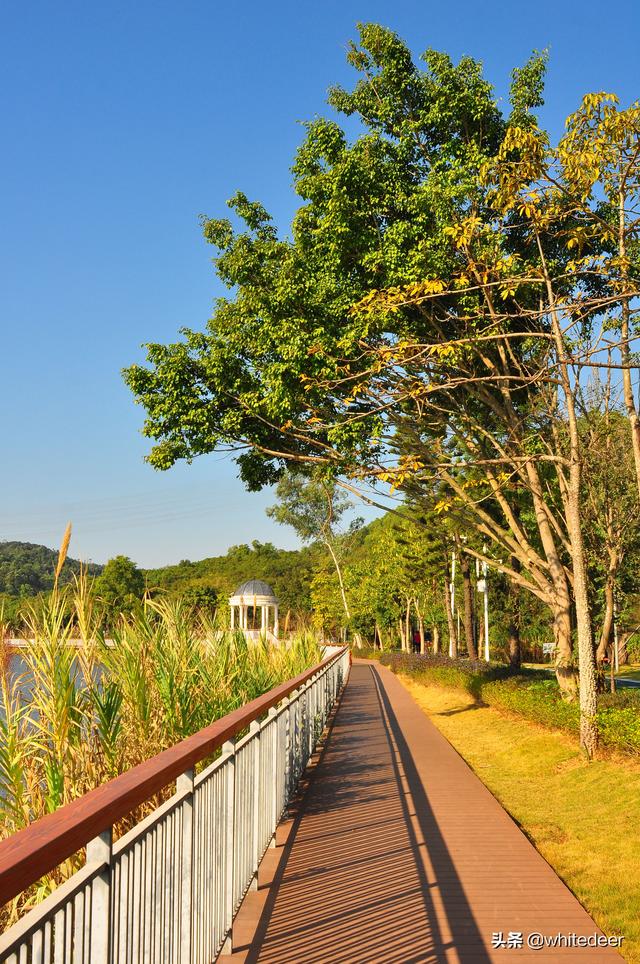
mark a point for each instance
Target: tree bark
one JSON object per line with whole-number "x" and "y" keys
{"x": 513, "y": 627}
{"x": 435, "y": 630}
{"x": 403, "y": 646}
{"x": 377, "y": 637}
{"x": 407, "y": 624}
{"x": 586, "y": 660}
{"x": 453, "y": 636}
{"x": 467, "y": 595}
{"x": 606, "y": 631}
{"x": 357, "y": 637}
{"x": 423, "y": 647}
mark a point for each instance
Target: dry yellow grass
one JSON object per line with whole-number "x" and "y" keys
{"x": 584, "y": 818}
{"x": 62, "y": 555}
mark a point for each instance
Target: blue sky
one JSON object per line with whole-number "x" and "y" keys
{"x": 123, "y": 122}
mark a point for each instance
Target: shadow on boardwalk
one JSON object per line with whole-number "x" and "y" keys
{"x": 399, "y": 854}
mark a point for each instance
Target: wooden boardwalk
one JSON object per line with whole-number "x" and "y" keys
{"x": 398, "y": 853}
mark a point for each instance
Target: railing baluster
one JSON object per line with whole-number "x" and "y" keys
{"x": 272, "y": 775}
{"x": 98, "y": 851}
{"x": 228, "y": 822}
{"x": 254, "y": 811}
{"x": 168, "y": 890}
{"x": 184, "y": 784}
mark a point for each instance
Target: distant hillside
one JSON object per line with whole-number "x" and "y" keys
{"x": 27, "y": 568}
{"x": 289, "y": 573}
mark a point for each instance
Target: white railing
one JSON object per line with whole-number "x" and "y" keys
{"x": 168, "y": 890}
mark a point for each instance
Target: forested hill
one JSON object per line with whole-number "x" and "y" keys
{"x": 27, "y": 569}
{"x": 288, "y": 572}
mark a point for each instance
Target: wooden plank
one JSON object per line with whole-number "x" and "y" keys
{"x": 400, "y": 854}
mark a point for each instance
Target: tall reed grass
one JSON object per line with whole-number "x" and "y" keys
{"x": 81, "y": 709}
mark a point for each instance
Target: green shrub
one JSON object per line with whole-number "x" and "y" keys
{"x": 537, "y": 700}
{"x": 619, "y": 727}
{"x": 531, "y": 694}
{"x": 460, "y": 674}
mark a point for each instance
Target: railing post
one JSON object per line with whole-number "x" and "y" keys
{"x": 273, "y": 782}
{"x": 291, "y": 740}
{"x": 254, "y": 728}
{"x": 99, "y": 851}
{"x": 229, "y": 831}
{"x": 184, "y": 783}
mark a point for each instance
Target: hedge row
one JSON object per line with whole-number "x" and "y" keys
{"x": 530, "y": 694}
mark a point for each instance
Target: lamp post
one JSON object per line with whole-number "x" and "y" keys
{"x": 452, "y": 589}
{"x": 483, "y": 587}
{"x": 486, "y": 612}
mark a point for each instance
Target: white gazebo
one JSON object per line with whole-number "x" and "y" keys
{"x": 249, "y": 599}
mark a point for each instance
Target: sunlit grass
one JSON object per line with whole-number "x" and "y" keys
{"x": 584, "y": 818}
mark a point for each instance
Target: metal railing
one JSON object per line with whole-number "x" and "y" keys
{"x": 168, "y": 890}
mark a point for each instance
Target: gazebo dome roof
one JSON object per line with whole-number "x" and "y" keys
{"x": 255, "y": 587}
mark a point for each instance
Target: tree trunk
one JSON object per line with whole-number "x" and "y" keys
{"x": 586, "y": 661}
{"x": 435, "y": 631}
{"x": 623, "y": 652}
{"x": 377, "y": 637}
{"x": 515, "y": 652}
{"x": 423, "y": 647}
{"x": 560, "y": 603}
{"x": 403, "y": 646}
{"x": 407, "y": 624}
{"x": 513, "y": 627}
{"x": 469, "y": 618}
{"x": 562, "y": 637}
{"x": 453, "y": 636}
{"x": 606, "y": 632}
{"x": 357, "y": 636}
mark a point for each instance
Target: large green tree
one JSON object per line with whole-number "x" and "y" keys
{"x": 429, "y": 285}
{"x": 373, "y": 213}
{"x": 120, "y": 585}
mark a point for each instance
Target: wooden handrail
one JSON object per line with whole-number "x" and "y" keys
{"x": 34, "y": 851}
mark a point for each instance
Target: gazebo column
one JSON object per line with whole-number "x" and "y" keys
{"x": 233, "y": 618}
{"x": 275, "y": 621}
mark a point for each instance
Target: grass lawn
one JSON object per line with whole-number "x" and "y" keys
{"x": 584, "y": 818}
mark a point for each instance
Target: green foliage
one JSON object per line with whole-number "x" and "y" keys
{"x": 532, "y": 695}
{"x": 289, "y": 572}
{"x": 538, "y": 700}
{"x": 459, "y": 674}
{"x": 27, "y": 569}
{"x": 373, "y": 213}
{"x": 201, "y": 598}
{"x": 311, "y": 505}
{"x": 121, "y": 584}
{"x": 527, "y": 87}
{"x": 72, "y": 717}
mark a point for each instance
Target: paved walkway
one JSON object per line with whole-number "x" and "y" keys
{"x": 400, "y": 854}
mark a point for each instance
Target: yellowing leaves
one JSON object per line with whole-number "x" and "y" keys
{"x": 390, "y": 300}
{"x": 462, "y": 233}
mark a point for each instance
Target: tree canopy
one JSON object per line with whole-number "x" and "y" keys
{"x": 450, "y": 280}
